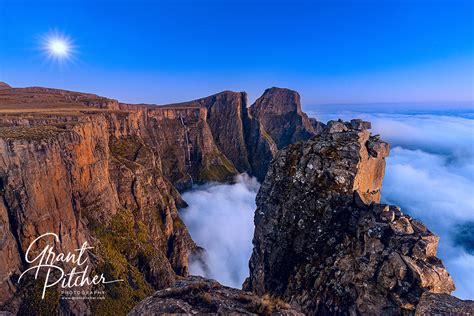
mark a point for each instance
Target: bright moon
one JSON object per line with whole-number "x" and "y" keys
{"x": 58, "y": 47}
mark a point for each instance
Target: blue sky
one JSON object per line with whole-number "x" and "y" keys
{"x": 167, "y": 51}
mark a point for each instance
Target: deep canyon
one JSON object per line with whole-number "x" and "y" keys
{"x": 89, "y": 168}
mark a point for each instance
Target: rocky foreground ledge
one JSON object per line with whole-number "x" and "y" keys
{"x": 325, "y": 245}
{"x": 197, "y": 295}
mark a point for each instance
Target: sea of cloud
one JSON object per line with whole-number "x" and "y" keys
{"x": 430, "y": 174}
{"x": 220, "y": 219}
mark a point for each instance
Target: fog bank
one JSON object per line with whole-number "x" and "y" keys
{"x": 220, "y": 219}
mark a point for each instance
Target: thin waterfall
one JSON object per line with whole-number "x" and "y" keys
{"x": 188, "y": 150}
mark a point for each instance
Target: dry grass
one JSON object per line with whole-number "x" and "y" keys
{"x": 29, "y": 133}
{"x": 265, "y": 305}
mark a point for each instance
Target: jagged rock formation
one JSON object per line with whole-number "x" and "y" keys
{"x": 196, "y": 295}
{"x": 324, "y": 243}
{"x": 89, "y": 168}
{"x": 250, "y": 137}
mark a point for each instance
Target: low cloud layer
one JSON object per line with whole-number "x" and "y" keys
{"x": 220, "y": 219}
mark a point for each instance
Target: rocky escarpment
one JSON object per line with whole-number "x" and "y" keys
{"x": 279, "y": 113}
{"x": 183, "y": 140}
{"x": 89, "y": 168}
{"x": 251, "y": 136}
{"x": 324, "y": 243}
{"x": 226, "y": 116}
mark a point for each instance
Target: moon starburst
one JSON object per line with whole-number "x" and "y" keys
{"x": 58, "y": 47}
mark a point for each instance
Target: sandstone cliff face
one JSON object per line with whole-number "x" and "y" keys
{"x": 87, "y": 176}
{"x": 324, "y": 243}
{"x": 226, "y": 115}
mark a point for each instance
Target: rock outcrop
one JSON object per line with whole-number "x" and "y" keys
{"x": 226, "y": 115}
{"x": 323, "y": 242}
{"x": 196, "y": 295}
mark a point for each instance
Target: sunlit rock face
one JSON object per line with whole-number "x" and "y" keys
{"x": 76, "y": 165}
{"x": 324, "y": 243}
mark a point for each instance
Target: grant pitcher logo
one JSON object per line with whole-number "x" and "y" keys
{"x": 48, "y": 260}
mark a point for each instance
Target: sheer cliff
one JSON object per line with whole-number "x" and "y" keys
{"x": 80, "y": 168}
{"x": 89, "y": 168}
